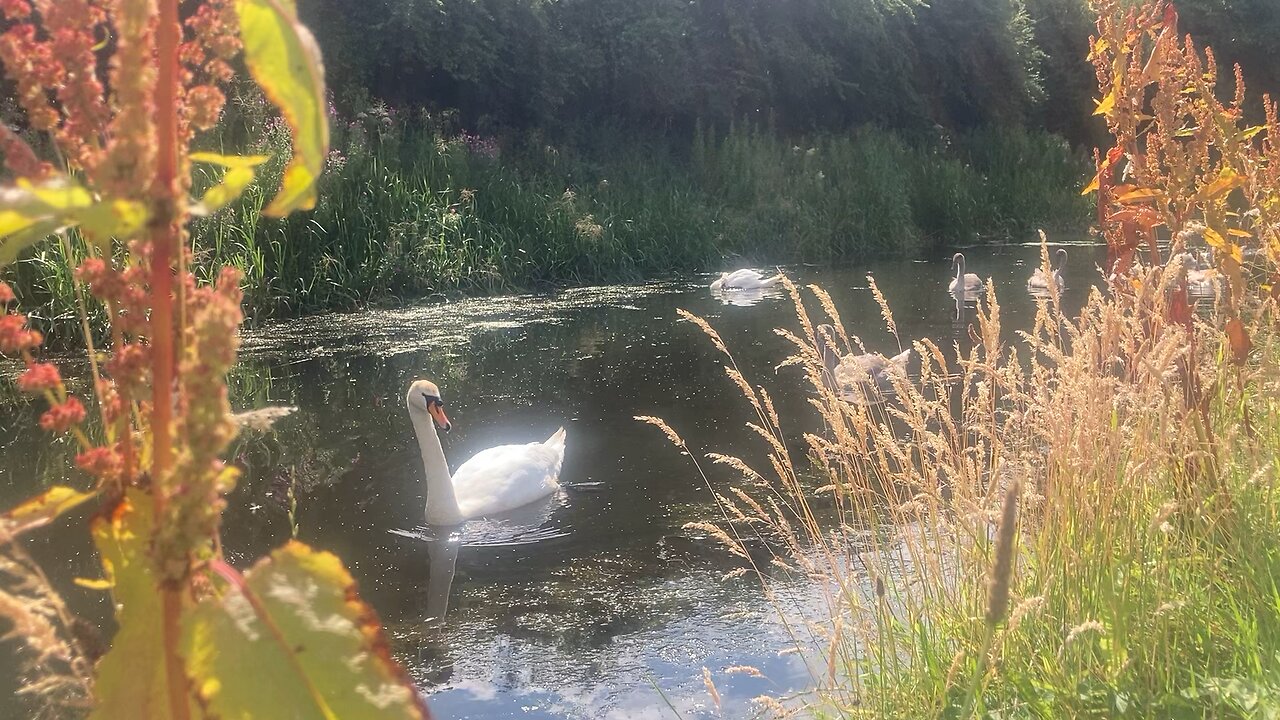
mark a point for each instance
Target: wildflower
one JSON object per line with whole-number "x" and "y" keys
{"x": 336, "y": 160}
{"x": 6, "y": 294}
{"x": 38, "y": 377}
{"x": 61, "y": 417}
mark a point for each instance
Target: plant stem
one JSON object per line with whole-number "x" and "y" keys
{"x": 164, "y": 237}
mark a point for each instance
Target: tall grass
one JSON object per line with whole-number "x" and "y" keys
{"x": 411, "y": 205}
{"x": 1031, "y": 528}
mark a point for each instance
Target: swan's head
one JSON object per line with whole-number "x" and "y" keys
{"x": 958, "y": 260}
{"x": 424, "y": 397}
{"x": 1061, "y": 255}
{"x": 719, "y": 282}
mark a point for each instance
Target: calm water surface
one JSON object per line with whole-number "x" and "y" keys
{"x": 596, "y": 603}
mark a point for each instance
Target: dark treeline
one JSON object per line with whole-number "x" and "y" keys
{"x": 803, "y": 65}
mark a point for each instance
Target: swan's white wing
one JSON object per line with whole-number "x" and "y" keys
{"x": 744, "y": 278}
{"x": 506, "y": 477}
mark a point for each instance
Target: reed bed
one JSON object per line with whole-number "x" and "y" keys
{"x": 1034, "y": 526}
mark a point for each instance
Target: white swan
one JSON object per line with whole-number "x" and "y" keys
{"x": 1201, "y": 280}
{"x": 744, "y": 280}
{"x": 868, "y": 375}
{"x": 493, "y": 481}
{"x": 970, "y": 284}
{"x": 1039, "y": 280}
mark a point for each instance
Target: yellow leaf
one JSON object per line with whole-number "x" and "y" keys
{"x": 1237, "y": 232}
{"x": 1107, "y": 104}
{"x": 292, "y": 639}
{"x": 232, "y": 185}
{"x": 112, "y": 218}
{"x": 1250, "y": 133}
{"x": 1221, "y": 244}
{"x": 43, "y": 508}
{"x": 285, "y": 61}
{"x": 229, "y": 161}
{"x": 131, "y": 681}
{"x": 1227, "y": 181}
{"x": 92, "y": 584}
{"x": 30, "y": 212}
{"x": 1139, "y": 195}
{"x": 1098, "y": 48}
{"x": 1092, "y": 186}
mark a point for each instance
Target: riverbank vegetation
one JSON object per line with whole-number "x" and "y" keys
{"x": 411, "y": 205}
{"x": 506, "y": 144}
{"x": 1081, "y": 520}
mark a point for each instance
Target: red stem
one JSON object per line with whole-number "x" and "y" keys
{"x": 164, "y": 240}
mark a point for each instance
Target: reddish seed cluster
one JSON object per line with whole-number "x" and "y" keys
{"x": 205, "y": 57}
{"x": 39, "y": 377}
{"x": 104, "y": 463}
{"x": 125, "y": 291}
{"x": 63, "y": 416}
{"x": 130, "y": 367}
{"x": 16, "y": 337}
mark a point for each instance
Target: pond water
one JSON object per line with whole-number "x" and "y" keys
{"x": 596, "y": 603}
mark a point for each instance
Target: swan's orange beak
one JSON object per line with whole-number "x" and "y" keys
{"x": 437, "y": 413}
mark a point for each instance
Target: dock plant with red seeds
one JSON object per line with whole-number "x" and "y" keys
{"x": 120, "y": 117}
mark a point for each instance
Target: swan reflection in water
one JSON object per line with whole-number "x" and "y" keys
{"x": 746, "y": 297}
{"x": 532, "y": 523}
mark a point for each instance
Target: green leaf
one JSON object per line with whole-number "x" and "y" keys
{"x": 29, "y": 213}
{"x": 285, "y": 61}
{"x": 43, "y": 508}
{"x": 292, "y": 639}
{"x": 131, "y": 680}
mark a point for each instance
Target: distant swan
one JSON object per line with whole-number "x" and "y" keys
{"x": 871, "y": 373}
{"x": 744, "y": 280}
{"x": 493, "y": 481}
{"x": 1039, "y": 280}
{"x": 963, "y": 282}
{"x": 1201, "y": 280}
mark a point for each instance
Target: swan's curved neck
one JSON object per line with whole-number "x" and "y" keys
{"x": 442, "y": 505}
{"x": 959, "y": 267}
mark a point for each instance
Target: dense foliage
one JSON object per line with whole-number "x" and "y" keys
{"x": 799, "y": 64}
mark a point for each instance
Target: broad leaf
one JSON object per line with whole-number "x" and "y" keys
{"x": 1226, "y": 181}
{"x": 42, "y": 508}
{"x": 1238, "y": 339}
{"x": 292, "y": 639}
{"x": 229, "y": 161}
{"x": 131, "y": 680}
{"x": 30, "y": 212}
{"x": 230, "y": 187}
{"x": 1139, "y": 195}
{"x": 1106, "y": 104}
{"x": 238, "y": 176}
{"x": 285, "y": 61}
